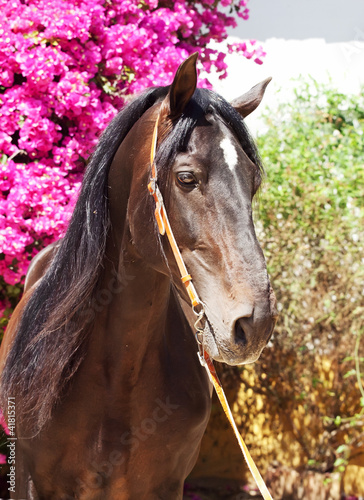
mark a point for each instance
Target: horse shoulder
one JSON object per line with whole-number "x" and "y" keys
{"x": 39, "y": 264}
{"x": 11, "y": 329}
{"x": 37, "y": 268}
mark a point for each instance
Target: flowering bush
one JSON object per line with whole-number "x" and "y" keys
{"x": 67, "y": 67}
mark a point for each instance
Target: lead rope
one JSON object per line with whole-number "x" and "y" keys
{"x": 199, "y": 310}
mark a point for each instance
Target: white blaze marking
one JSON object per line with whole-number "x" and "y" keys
{"x": 230, "y": 154}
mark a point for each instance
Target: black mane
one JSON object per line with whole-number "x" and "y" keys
{"x": 51, "y": 338}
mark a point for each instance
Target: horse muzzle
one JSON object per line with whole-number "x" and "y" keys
{"x": 242, "y": 339}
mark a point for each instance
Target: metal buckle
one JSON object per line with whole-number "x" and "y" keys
{"x": 200, "y": 316}
{"x": 200, "y": 332}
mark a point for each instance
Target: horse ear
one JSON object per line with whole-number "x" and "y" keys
{"x": 183, "y": 86}
{"x": 248, "y": 102}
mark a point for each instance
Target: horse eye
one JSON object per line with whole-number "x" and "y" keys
{"x": 186, "y": 179}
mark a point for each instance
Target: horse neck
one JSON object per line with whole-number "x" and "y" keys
{"x": 131, "y": 326}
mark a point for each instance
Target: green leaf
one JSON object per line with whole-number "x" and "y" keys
{"x": 350, "y": 373}
{"x": 339, "y": 461}
{"x": 342, "y": 448}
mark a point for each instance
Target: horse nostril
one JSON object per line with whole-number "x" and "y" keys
{"x": 239, "y": 333}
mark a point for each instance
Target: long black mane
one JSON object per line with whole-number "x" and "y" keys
{"x": 50, "y": 342}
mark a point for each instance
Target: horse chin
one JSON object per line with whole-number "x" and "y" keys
{"x": 231, "y": 358}
{"x": 236, "y": 360}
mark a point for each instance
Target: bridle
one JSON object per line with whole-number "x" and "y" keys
{"x": 198, "y": 309}
{"x": 165, "y": 228}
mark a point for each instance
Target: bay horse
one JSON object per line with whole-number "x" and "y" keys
{"x": 100, "y": 356}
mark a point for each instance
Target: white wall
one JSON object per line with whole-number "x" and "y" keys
{"x": 333, "y": 20}
{"x": 340, "y": 65}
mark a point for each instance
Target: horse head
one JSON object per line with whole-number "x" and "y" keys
{"x": 208, "y": 171}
